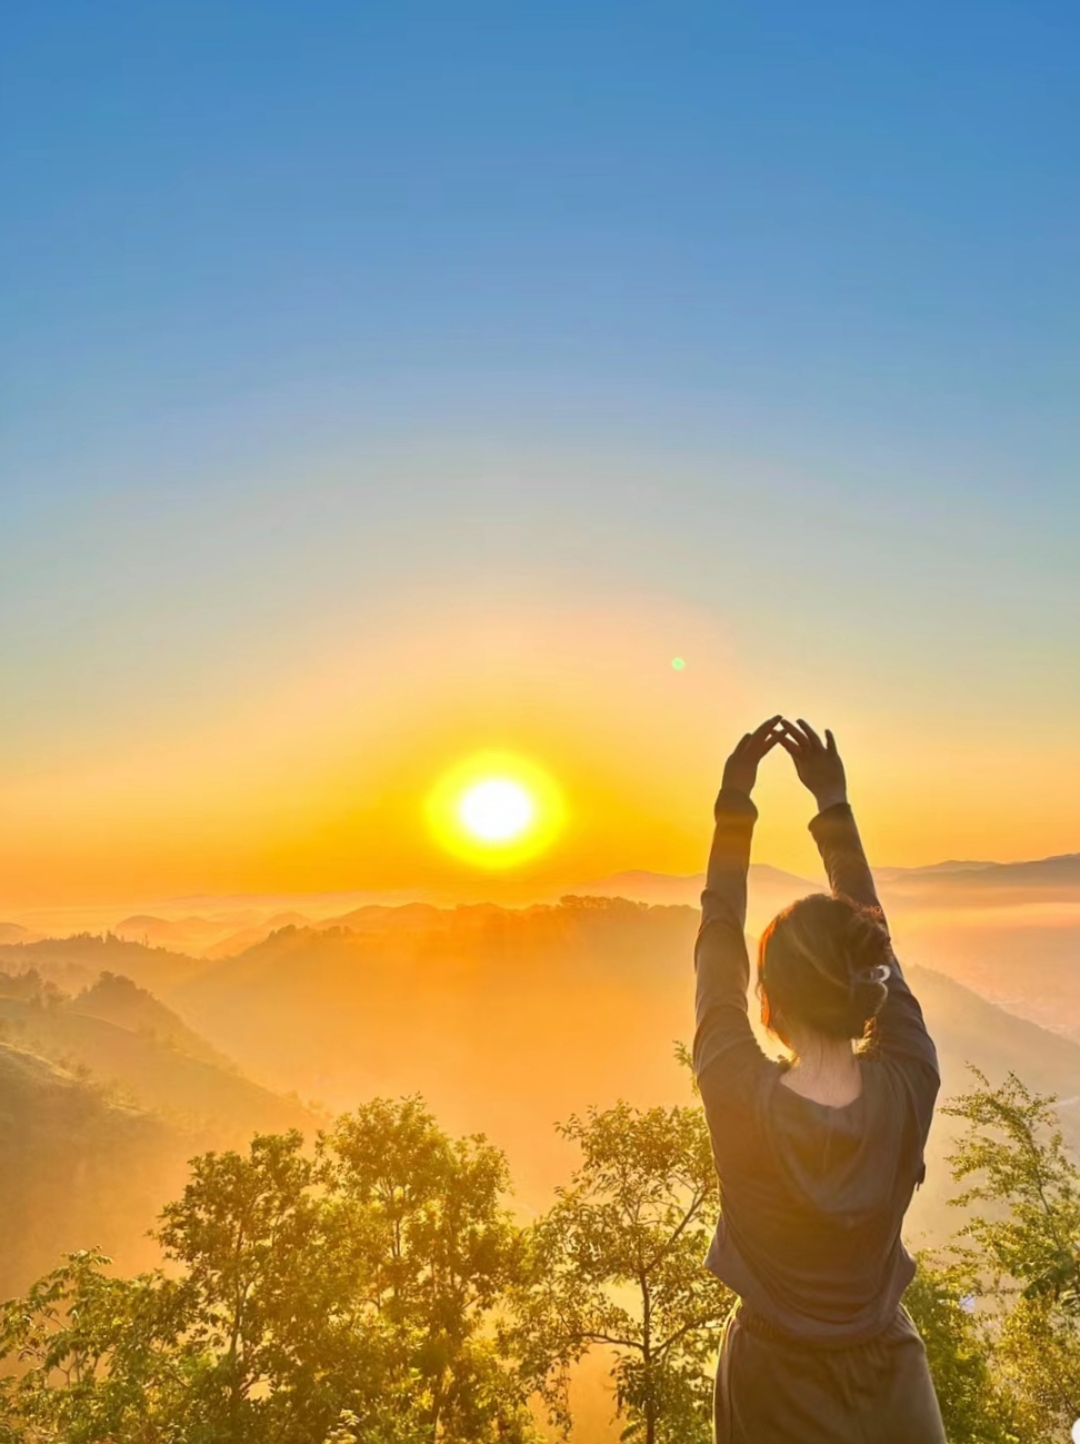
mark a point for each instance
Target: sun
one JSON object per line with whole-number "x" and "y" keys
{"x": 495, "y": 810}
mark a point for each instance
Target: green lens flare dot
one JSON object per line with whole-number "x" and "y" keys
{"x": 678, "y": 663}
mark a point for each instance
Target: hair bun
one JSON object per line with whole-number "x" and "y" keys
{"x": 824, "y": 963}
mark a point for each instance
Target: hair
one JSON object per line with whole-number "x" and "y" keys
{"x": 820, "y": 966}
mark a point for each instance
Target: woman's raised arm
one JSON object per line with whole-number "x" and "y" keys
{"x": 901, "y": 1028}
{"x": 723, "y": 1035}
{"x": 821, "y": 772}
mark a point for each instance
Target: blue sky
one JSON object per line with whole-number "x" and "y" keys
{"x": 853, "y": 221}
{"x": 772, "y": 310}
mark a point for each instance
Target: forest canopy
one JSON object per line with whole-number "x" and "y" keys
{"x": 377, "y": 1288}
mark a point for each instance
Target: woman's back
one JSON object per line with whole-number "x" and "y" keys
{"x": 813, "y": 1196}
{"x": 816, "y": 1167}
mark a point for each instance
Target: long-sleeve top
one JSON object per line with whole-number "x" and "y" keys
{"x": 812, "y": 1196}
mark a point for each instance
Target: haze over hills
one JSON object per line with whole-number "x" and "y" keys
{"x": 103, "y": 1099}
{"x": 506, "y": 1019}
{"x": 13, "y": 933}
{"x": 510, "y": 1019}
{"x": 220, "y": 927}
{"x": 80, "y": 1170}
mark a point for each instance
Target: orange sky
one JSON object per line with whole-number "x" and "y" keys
{"x": 382, "y": 393}
{"x": 317, "y": 780}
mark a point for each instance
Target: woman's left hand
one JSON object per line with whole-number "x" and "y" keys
{"x": 740, "y": 770}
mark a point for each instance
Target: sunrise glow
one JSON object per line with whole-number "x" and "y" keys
{"x": 495, "y": 810}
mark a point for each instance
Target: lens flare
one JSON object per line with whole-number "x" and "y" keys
{"x": 495, "y": 810}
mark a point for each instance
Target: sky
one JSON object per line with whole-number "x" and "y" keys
{"x": 385, "y": 384}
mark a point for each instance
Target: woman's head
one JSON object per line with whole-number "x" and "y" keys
{"x": 822, "y": 965}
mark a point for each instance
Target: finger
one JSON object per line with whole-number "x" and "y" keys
{"x": 761, "y": 739}
{"x": 789, "y": 746}
{"x": 830, "y": 741}
{"x": 794, "y": 735}
{"x": 814, "y": 738}
{"x": 767, "y": 726}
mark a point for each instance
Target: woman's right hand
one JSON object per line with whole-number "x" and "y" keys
{"x": 818, "y": 763}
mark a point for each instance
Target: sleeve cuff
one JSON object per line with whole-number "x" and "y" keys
{"x": 838, "y": 812}
{"x": 731, "y": 802}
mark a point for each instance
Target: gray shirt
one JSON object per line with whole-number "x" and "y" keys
{"x": 812, "y": 1196}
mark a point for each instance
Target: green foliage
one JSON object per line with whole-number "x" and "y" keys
{"x": 617, "y": 1263}
{"x": 97, "y": 1355}
{"x": 376, "y": 1290}
{"x": 959, "y": 1350}
{"x": 424, "y": 1236}
{"x": 1021, "y": 1247}
{"x": 351, "y": 1298}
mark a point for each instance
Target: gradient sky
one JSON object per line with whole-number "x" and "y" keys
{"x": 385, "y": 382}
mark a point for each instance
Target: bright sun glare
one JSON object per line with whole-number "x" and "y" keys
{"x": 495, "y": 810}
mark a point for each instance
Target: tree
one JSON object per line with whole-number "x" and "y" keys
{"x": 975, "y": 1406}
{"x": 429, "y": 1246}
{"x": 352, "y": 1297}
{"x": 617, "y": 1263}
{"x": 264, "y": 1324}
{"x": 96, "y": 1355}
{"x": 1022, "y": 1246}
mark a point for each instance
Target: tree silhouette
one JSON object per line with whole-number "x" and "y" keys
{"x": 617, "y": 1264}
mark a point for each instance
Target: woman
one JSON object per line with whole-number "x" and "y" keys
{"x": 818, "y": 1157}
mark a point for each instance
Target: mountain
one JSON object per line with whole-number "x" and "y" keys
{"x": 209, "y": 937}
{"x": 78, "y": 1169}
{"x": 989, "y": 885}
{"x": 505, "y": 1019}
{"x": 247, "y": 937}
{"x": 889, "y": 874}
{"x": 769, "y": 889}
{"x": 508, "y": 1020}
{"x": 117, "y": 1000}
{"x": 178, "y": 934}
{"x": 77, "y": 962}
{"x": 103, "y": 1099}
{"x": 13, "y": 933}
{"x": 953, "y": 884}
{"x": 133, "y": 1047}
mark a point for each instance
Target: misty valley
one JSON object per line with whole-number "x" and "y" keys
{"x": 121, "y": 1059}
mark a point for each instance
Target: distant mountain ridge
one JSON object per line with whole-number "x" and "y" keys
{"x": 1064, "y": 867}
{"x": 230, "y": 925}
{"x": 505, "y": 1019}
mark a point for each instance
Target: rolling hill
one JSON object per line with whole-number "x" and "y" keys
{"x": 506, "y": 1020}
{"x": 103, "y": 1099}
{"x": 79, "y": 1170}
{"x": 509, "y": 1020}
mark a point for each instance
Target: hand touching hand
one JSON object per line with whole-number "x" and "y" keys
{"x": 740, "y": 770}
{"x": 817, "y": 763}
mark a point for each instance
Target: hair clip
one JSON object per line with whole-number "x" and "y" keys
{"x": 880, "y": 974}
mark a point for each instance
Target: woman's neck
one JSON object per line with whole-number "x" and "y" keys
{"x": 825, "y": 1070}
